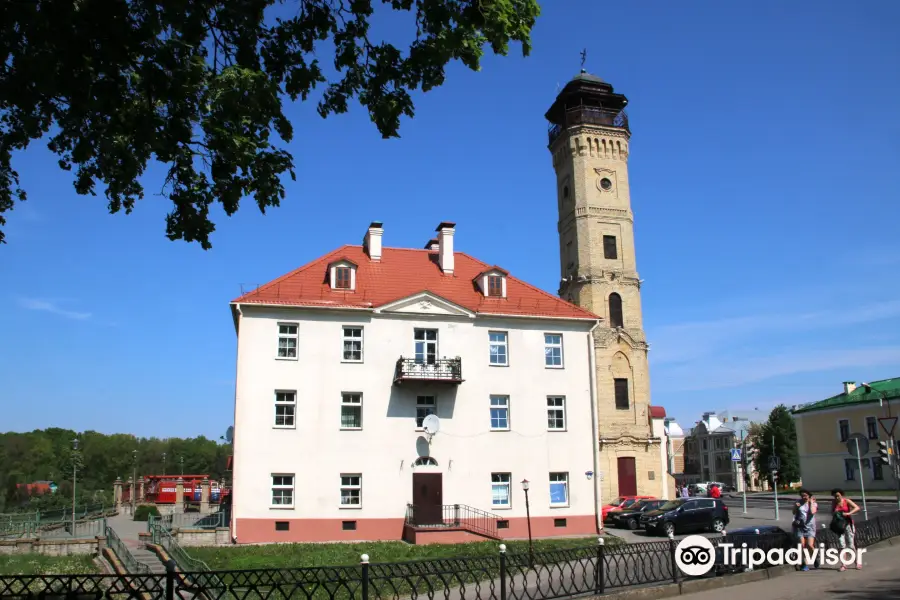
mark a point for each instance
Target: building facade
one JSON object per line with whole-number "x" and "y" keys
{"x": 589, "y": 141}
{"x": 341, "y": 362}
{"x": 709, "y": 446}
{"x": 825, "y": 427}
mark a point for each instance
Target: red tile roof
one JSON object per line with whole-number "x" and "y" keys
{"x": 404, "y": 272}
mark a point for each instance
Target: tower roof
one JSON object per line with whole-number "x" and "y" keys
{"x": 585, "y": 90}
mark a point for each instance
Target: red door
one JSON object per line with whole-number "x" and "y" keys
{"x": 427, "y": 498}
{"x": 627, "y": 477}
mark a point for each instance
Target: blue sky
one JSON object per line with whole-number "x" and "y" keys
{"x": 763, "y": 167}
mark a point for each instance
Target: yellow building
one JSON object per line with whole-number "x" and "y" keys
{"x": 825, "y": 427}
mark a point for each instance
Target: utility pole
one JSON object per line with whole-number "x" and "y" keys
{"x": 775, "y": 479}
{"x": 74, "y": 479}
{"x": 744, "y": 472}
{"x": 134, "y": 454}
{"x": 862, "y": 485}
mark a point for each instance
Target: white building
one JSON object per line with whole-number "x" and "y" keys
{"x": 338, "y": 364}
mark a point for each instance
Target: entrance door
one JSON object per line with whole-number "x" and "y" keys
{"x": 427, "y": 498}
{"x": 627, "y": 477}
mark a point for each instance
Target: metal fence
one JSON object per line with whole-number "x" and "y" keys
{"x": 190, "y": 520}
{"x": 546, "y": 575}
{"x": 40, "y": 522}
{"x": 129, "y": 562}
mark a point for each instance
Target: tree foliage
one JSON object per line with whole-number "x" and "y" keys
{"x": 199, "y": 85}
{"x": 48, "y": 455}
{"x": 782, "y": 428}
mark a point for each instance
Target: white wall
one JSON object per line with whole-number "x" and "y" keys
{"x": 317, "y": 451}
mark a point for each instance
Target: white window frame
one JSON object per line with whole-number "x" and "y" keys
{"x": 554, "y": 478}
{"x": 849, "y": 429}
{"x": 352, "y": 339}
{"x": 290, "y": 401}
{"x": 877, "y": 435}
{"x": 425, "y": 345}
{"x": 347, "y": 485}
{"x": 504, "y": 344}
{"x": 282, "y": 486}
{"x": 425, "y": 406}
{"x": 348, "y": 401}
{"x": 552, "y": 407}
{"x": 288, "y": 336}
{"x": 502, "y": 403}
{"x": 501, "y": 480}
{"x": 551, "y": 346}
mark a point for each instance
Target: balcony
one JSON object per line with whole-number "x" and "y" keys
{"x": 443, "y": 370}
{"x": 583, "y": 115}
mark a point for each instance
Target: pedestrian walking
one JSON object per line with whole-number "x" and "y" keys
{"x": 842, "y": 525}
{"x": 804, "y": 525}
{"x": 714, "y": 491}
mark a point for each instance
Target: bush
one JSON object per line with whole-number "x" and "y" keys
{"x": 143, "y": 512}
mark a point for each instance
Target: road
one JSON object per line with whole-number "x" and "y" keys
{"x": 878, "y": 580}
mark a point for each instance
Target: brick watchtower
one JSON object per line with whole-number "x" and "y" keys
{"x": 589, "y": 142}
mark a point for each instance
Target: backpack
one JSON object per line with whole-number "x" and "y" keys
{"x": 838, "y": 523}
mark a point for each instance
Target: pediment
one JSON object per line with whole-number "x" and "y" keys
{"x": 425, "y": 303}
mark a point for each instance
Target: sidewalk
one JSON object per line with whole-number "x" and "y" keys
{"x": 789, "y": 497}
{"x": 878, "y": 580}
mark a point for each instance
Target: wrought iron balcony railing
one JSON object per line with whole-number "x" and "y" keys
{"x": 583, "y": 115}
{"x": 448, "y": 370}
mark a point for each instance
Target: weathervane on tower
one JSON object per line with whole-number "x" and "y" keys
{"x": 583, "y": 58}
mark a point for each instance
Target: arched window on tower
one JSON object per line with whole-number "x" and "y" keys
{"x": 615, "y": 311}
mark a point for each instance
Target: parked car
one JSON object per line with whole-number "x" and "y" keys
{"x": 697, "y": 489}
{"x": 686, "y": 514}
{"x": 623, "y": 502}
{"x": 630, "y": 517}
{"x": 764, "y": 537}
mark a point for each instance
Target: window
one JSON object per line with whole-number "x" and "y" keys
{"x": 425, "y": 461}
{"x": 559, "y": 489}
{"x": 849, "y": 469}
{"x": 285, "y": 407}
{"x": 425, "y": 405}
{"x": 705, "y": 445}
{"x": 553, "y": 356}
{"x": 570, "y": 255}
{"x": 351, "y": 491}
{"x": 282, "y": 525}
{"x": 287, "y": 340}
{"x": 499, "y": 413}
{"x": 844, "y": 429}
{"x": 559, "y": 522}
{"x": 426, "y": 346}
{"x": 495, "y": 285}
{"x": 353, "y": 344}
{"x": 877, "y": 472}
{"x": 342, "y": 278}
{"x": 348, "y": 525}
{"x": 282, "y": 491}
{"x": 622, "y": 403}
{"x": 872, "y": 428}
{"x": 556, "y": 413}
{"x": 503, "y": 524}
{"x": 351, "y": 410}
{"x": 500, "y": 488}
{"x": 498, "y": 347}
{"x": 609, "y": 247}
{"x": 615, "y": 311}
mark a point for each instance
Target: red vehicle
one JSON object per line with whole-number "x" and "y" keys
{"x": 160, "y": 489}
{"x": 623, "y": 502}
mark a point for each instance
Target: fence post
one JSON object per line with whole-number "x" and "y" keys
{"x": 502, "y": 571}
{"x": 672, "y": 558}
{"x": 600, "y": 569}
{"x": 364, "y": 562}
{"x": 170, "y": 579}
{"x": 880, "y": 530}
{"x": 456, "y": 515}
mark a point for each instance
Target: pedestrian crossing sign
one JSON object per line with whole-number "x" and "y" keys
{"x": 736, "y": 454}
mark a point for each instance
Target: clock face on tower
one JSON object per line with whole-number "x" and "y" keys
{"x": 605, "y": 179}
{"x": 605, "y": 184}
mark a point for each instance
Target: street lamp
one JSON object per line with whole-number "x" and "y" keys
{"x": 525, "y": 486}
{"x": 134, "y": 454}
{"x": 896, "y": 465}
{"x": 164, "y": 463}
{"x": 74, "y": 479}
{"x": 182, "y": 465}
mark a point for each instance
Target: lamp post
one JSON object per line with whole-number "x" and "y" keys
{"x": 164, "y": 463}
{"x": 134, "y": 454}
{"x": 895, "y": 465}
{"x": 182, "y": 465}
{"x": 525, "y": 486}
{"x": 74, "y": 479}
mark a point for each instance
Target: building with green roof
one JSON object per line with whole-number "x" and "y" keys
{"x": 826, "y": 427}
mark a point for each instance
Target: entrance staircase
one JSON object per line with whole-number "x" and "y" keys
{"x": 448, "y": 523}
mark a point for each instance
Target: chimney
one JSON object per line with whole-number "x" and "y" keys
{"x": 372, "y": 241}
{"x": 433, "y": 245}
{"x": 445, "y": 246}
{"x": 849, "y": 386}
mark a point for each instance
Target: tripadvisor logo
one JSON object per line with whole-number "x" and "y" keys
{"x": 695, "y": 555}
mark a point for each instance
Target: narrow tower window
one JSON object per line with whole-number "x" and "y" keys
{"x": 621, "y": 387}
{"x": 609, "y": 247}
{"x": 615, "y": 311}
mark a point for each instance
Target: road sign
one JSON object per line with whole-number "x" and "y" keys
{"x": 736, "y": 454}
{"x": 774, "y": 463}
{"x": 857, "y": 445}
{"x": 888, "y": 424}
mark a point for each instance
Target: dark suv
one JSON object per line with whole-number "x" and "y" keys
{"x": 630, "y": 517}
{"x": 686, "y": 514}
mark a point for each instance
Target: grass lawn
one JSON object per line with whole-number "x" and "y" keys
{"x": 38, "y": 564}
{"x": 319, "y": 555}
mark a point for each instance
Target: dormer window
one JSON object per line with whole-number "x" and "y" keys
{"x": 492, "y": 282}
{"x": 342, "y": 275}
{"x": 495, "y": 285}
{"x": 342, "y": 278}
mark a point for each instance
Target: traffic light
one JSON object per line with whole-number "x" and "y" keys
{"x": 884, "y": 455}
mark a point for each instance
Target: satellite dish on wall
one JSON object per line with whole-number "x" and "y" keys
{"x": 431, "y": 424}
{"x": 229, "y": 434}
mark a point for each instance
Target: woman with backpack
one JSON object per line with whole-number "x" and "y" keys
{"x": 804, "y": 525}
{"x": 842, "y": 522}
